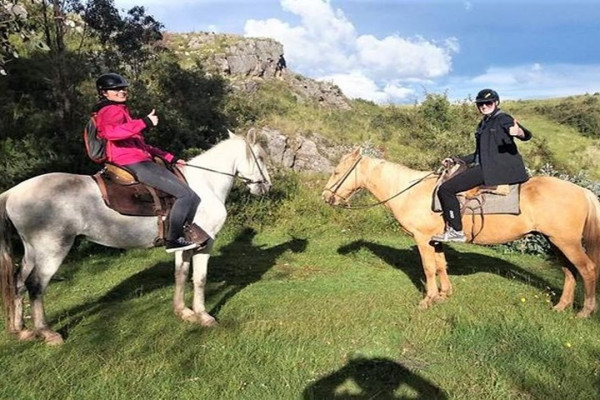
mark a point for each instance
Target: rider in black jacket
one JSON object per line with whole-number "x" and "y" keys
{"x": 495, "y": 161}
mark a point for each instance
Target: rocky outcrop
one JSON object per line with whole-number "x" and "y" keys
{"x": 248, "y": 61}
{"x": 300, "y": 153}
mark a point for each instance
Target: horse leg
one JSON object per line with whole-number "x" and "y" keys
{"x": 441, "y": 267}
{"x": 568, "y": 293}
{"x": 575, "y": 253}
{"x": 18, "y": 326}
{"x": 199, "y": 280}
{"x": 182, "y": 270}
{"x": 47, "y": 258}
{"x": 182, "y": 266}
{"x": 428, "y": 258}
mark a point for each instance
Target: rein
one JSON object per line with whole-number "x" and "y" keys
{"x": 338, "y": 184}
{"x": 247, "y": 181}
{"x": 365, "y": 206}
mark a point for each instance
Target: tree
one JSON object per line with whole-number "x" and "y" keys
{"x": 14, "y": 21}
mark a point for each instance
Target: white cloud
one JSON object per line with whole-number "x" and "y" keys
{"x": 356, "y": 85}
{"x": 325, "y": 45}
{"x": 404, "y": 58}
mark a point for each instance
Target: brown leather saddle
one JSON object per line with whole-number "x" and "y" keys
{"x": 122, "y": 192}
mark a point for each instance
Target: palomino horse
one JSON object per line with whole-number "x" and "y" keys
{"x": 564, "y": 212}
{"x": 49, "y": 211}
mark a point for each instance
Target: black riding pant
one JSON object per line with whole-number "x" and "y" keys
{"x": 186, "y": 202}
{"x": 447, "y": 191}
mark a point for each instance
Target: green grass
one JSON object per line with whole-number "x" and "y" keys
{"x": 316, "y": 307}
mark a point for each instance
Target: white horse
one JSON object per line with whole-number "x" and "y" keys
{"x": 49, "y": 211}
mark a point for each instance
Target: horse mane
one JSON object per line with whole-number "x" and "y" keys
{"x": 215, "y": 148}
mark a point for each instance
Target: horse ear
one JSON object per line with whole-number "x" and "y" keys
{"x": 251, "y": 137}
{"x": 231, "y": 134}
{"x": 356, "y": 152}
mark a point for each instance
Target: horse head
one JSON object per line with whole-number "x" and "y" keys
{"x": 252, "y": 168}
{"x": 343, "y": 182}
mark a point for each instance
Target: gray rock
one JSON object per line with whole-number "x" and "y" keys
{"x": 299, "y": 153}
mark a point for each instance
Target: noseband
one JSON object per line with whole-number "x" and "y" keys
{"x": 336, "y": 186}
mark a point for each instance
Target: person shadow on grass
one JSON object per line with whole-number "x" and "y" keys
{"x": 242, "y": 263}
{"x": 373, "y": 378}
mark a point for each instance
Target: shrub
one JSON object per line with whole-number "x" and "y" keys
{"x": 582, "y": 113}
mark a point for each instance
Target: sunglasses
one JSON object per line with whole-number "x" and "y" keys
{"x": 118, "y": 89}
{"x": 485, "y": 103}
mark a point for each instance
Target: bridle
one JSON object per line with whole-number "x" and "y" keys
{"x": 335, "y": 187}
{"x": 247, "y": 181}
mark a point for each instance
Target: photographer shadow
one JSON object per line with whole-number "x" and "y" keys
{"x": 373, "y": 378}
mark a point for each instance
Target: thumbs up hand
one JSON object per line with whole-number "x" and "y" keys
{"x": 516, "y": 130}
{"x": 153, "y": 117}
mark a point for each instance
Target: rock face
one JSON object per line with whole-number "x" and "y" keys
{"x": 247, "y": 61}
{"x": 299, "y": 153}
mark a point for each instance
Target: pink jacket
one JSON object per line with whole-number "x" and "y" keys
{"x": 125, "y": 141}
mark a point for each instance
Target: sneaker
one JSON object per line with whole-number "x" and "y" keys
{"x": 450, "y": 235}
{"x": 179, "y": 245}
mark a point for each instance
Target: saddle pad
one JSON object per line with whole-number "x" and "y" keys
{"x": 485, "y": 203}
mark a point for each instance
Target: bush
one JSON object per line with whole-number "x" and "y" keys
{"x": 582, "y": 113}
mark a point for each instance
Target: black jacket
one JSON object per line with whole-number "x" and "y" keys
{"x": 496, "y": 150}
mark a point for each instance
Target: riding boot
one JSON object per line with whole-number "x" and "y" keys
{"x": 194, "y": 233}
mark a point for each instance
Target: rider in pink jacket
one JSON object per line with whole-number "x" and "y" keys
{"x": 125, "y": 141}
{"x": 126, "y": 146}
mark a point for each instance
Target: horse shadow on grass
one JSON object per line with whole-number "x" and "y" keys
{"x": 226, "y": 277}
{"x": 373, "y": 378}
{"x": 459, "y": 263}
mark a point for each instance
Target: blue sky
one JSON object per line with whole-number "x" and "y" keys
{"x": 396, "y": 51}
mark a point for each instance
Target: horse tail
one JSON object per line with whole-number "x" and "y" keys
{"x": 591, "y": 230}
{"x": 7, "y": 270}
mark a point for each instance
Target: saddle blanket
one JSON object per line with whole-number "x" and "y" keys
{"x": 485, "y": 203}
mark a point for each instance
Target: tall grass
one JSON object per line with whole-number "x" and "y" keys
{"x": 314, "y": 302}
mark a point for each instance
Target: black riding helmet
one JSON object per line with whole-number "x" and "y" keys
{"x": 486, "y": 95}
{"x": 110, "y": 81}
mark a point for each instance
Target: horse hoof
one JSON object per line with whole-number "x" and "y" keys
{"x": 584, "y": 313}
{"x": 186, "y": 314}
{"x": 25, "y": 335}
{"x": 51, "y": 338}
{"x": 560, "y": 307}
{"x": 424, "y": 304}
{"x": 441, "y": 298}
{"x": 205, "y": 319}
